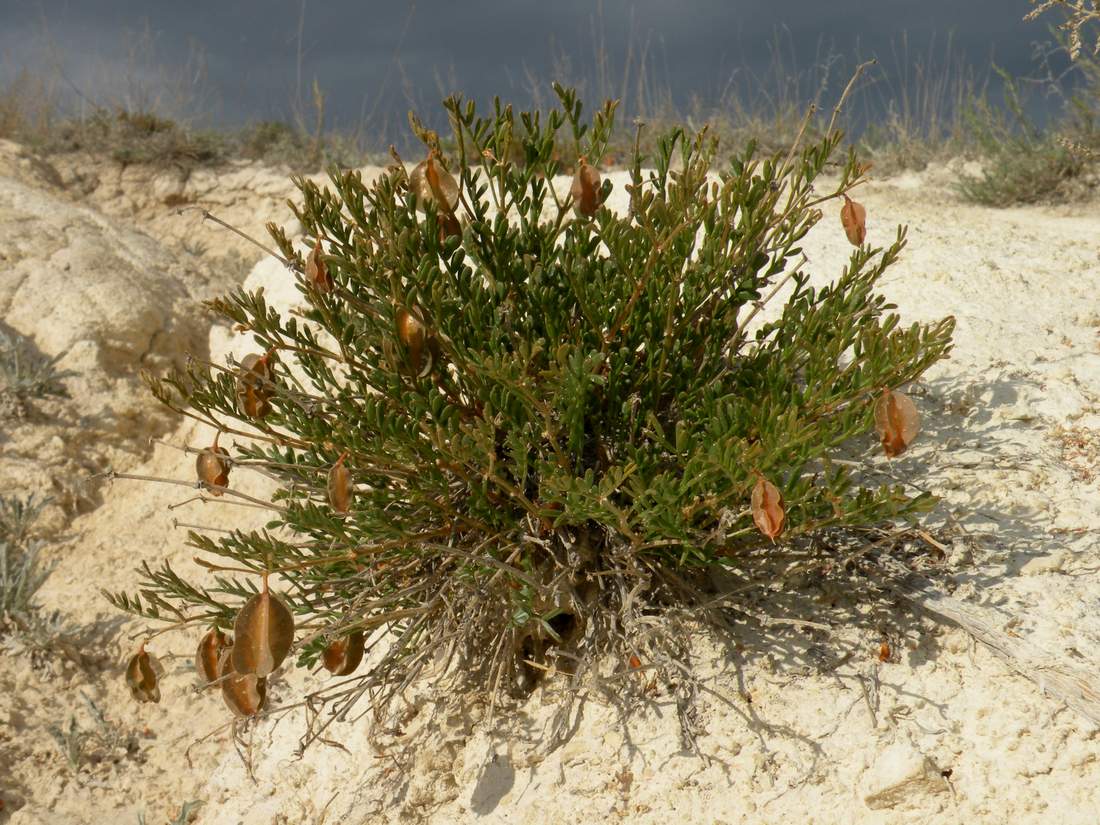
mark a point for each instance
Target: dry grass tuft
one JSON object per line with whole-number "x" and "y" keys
{"x": 1080, "y": 451}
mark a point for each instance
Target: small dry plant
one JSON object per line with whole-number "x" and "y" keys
{"x": 1078, "y": 13}
{"x": 25, "y": 374}
{"x": 104, "y": 741}
{"x": 519, "y": 435}
{"x": 21, "y": 570}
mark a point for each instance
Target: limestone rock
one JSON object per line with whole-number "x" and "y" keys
{"x": 112, "y": 302}
{"x": 20, "y": 164}
{"x": 1050, "y": 563}
{"x": 168, "y": 203}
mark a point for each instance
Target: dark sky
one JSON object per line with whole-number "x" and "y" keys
{"x": 374, "y": 59}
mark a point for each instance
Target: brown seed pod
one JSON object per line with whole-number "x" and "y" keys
{"x": 245, "y": 694}
{"x": 339, "y": 487}
{"x": 430, "y": 182}
{"x": 212, "y": 467}
{"x": 264, "y": 632}
{"x": 413, "y": 335}
{"x": 897, "y": 422}
{"x": 143, "y": 674}
{"x": 449, "y": 226}
{"x": 767, "y": 508}
{"x": 255, "y": 368}
{"x": 853, "y": 217}
{"x": 211, "y": 647}
{"x": 343, "y": 656}
{"x": 253, "y": 403}
{"x": 585, "y": 189}
{"x": 254, "y": 385}
{"x": 317, "y": 273}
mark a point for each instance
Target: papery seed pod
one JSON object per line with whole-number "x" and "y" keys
{"x": 211, "y": 647}
{"x": 255, "y": 368}
{"x": 767, "y": 508}
{"x": 339, "y": 487}
{"x": 853, "y": 217}
{"x": 317, "y": 273}
{"x": 264, "y": 633}
{"x": 585, "y": 189}
{"x": 884, "y": 651}
{"x": 449, "y": 226}
{"x": 212, "y": 467}
{"x": 253, "y": 402}
{"x": 244, "y": 694}
{"x": 254, "y": 385}
{"x": 897, "y": 422}
{"x": 635, "y": 662}
{"x": 413, "y": 335}
{"x": 430, "y": 182}
{"x": 143, "y": 674}
{"x": 443, "y": 185}
{"x": 343, "y": 656}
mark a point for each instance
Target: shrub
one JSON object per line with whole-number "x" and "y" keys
{"x": 510, "y": 434}
{"x": 281, "y": 144}
{"x": 270, "y": 137}
{"x": 136, "y": 137}
{"x": 1022, "y": 162}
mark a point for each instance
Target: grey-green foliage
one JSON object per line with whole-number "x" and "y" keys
{"x": 21, "y": 570}
{"x": 26, "y": 630}
{"x": 103, "y": 740}
{"x": 187, "y": 810}
{"x": 25, "y": 373}
{"x": 574, "y": 443}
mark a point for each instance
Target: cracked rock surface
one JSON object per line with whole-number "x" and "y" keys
{"x": 111, "y": 301}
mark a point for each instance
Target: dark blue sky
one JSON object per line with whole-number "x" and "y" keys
{"x": 374, "y": 59}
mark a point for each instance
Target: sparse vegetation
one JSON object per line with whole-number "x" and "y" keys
{"x": 185, "y": 815}
{"x": 1023, "y": 162}
{"x": 26, "y": 630}
{"x": 26, "y": 374}
{"x": 83, "y": 745}
{"x": 32, "y": 113}
{"x": 146, "y": 138}
{"x": 918, "y": 109}
{"x": 138, "y": 137}
{"x": 1026, "y": 162}
{"x": 21, "y": 570}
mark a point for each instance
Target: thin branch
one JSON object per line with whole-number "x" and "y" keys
{"x": 112, "y": 475}
{"x": 860, "y": 69}
{"x": 209, "y": 216}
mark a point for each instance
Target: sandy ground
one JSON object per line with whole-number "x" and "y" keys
{"x": 790, "y": 730}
